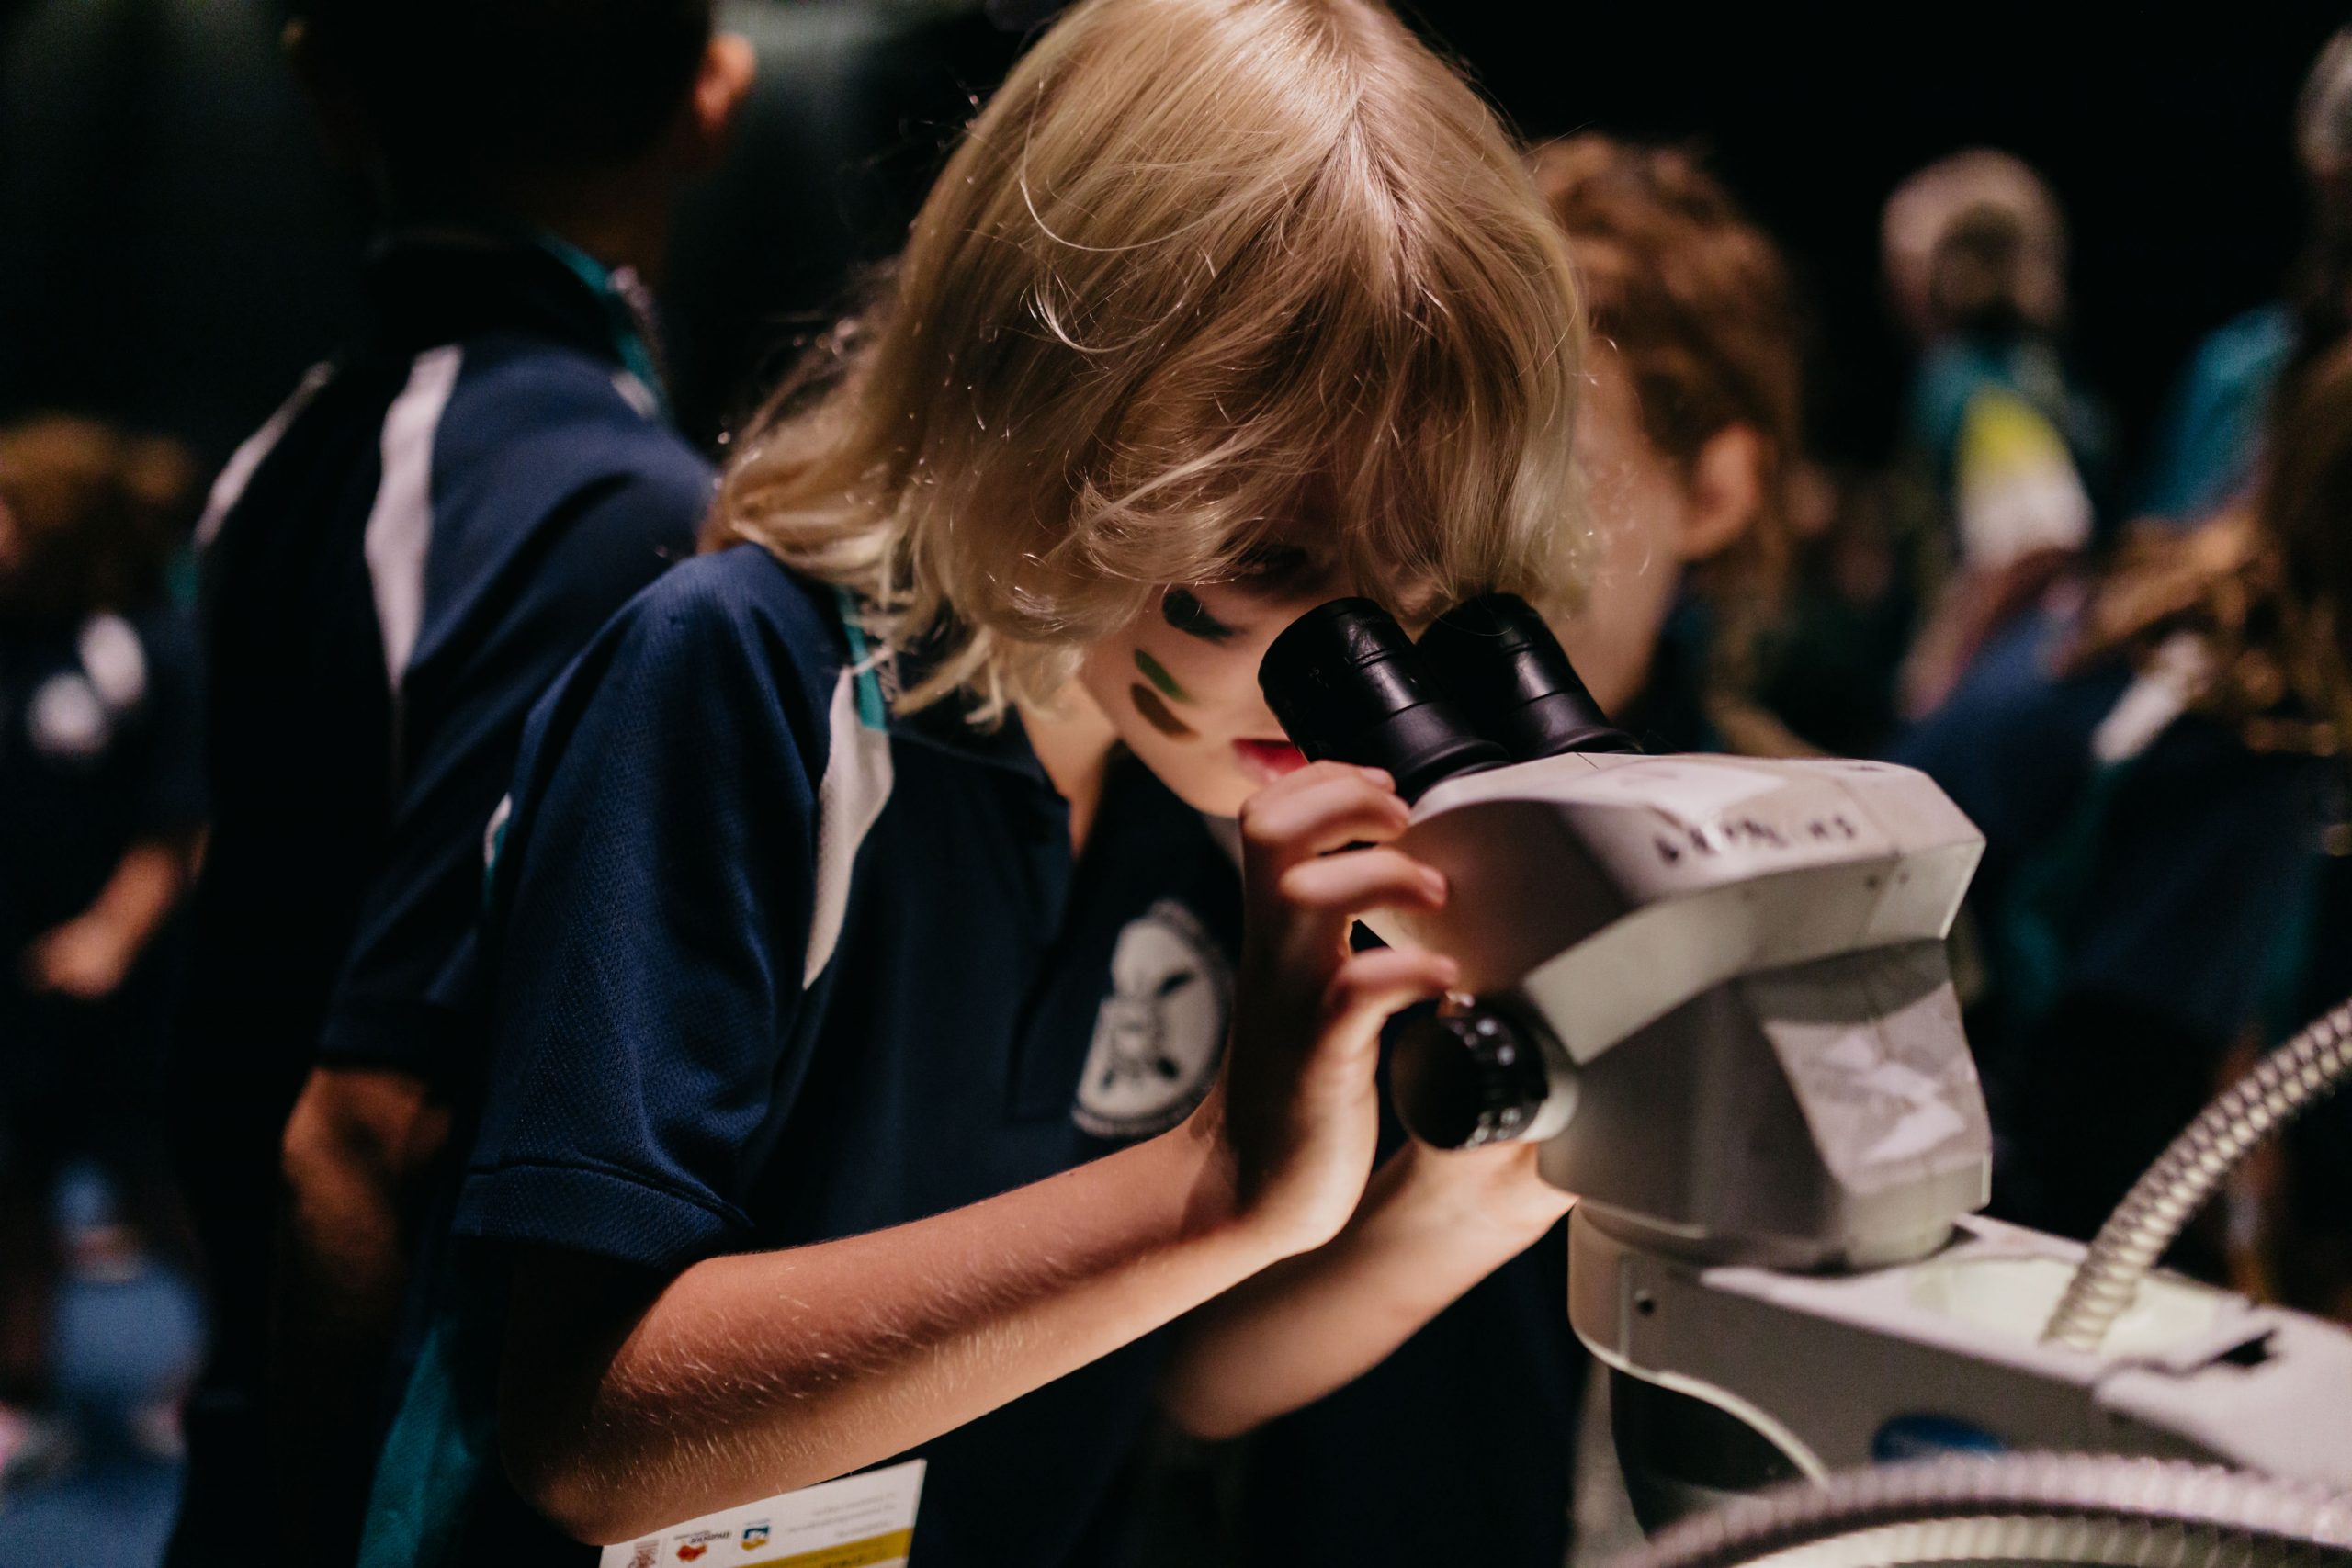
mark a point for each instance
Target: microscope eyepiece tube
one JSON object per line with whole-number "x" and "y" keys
{"x": 1496, "y": 659}
{"x": 1348, "y": 684}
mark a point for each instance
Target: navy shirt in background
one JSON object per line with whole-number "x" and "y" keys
{"x": 2141, "y": 914}
{"x": 769, "y": 969}
{"x": 400, "y": 563}
{"x": 101, "y": 749}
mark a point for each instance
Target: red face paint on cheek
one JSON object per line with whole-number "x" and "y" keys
{"x": 1157, "y": 713}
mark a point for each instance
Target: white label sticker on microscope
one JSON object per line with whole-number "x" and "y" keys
{"x": 859, "y": 1521}
{"x": 1692, "y": 793}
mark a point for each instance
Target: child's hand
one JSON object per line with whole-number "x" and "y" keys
{"x": 1496, "y": 1191}
{"x": 86, "y": 958}
{"x": 1296, "y": 1108}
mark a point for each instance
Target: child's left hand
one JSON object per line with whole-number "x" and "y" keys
{"x": 86, "y": 959}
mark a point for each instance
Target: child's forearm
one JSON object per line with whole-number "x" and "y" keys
{"x": 146, "y": 882}
{"x": 91, "y": 955}
{"x": 752, "y": 1374}
{"x": 1430, "y": 1226}
{"x": 357, "y": 1153}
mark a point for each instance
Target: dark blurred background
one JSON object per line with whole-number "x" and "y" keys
{"x": 174, "y": 249}
{"x": 2169, "y": 143}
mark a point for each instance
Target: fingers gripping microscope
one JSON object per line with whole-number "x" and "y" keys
{"x": 1715, "y": 989}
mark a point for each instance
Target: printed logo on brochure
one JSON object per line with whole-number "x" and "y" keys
{"x": 755, "y": 1536}
{"x": 697, "y": 1543}
{"x": 645, "y": 1553}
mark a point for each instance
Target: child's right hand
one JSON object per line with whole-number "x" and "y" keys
{"x": 1295, "y": 1111}
{"x": 87, "y": 959}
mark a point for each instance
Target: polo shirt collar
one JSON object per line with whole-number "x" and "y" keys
{"x": 948, "y": 727}
{"x": 431, "y": 284}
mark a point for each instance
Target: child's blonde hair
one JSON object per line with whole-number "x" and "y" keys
{"x": 1200, "y": 268}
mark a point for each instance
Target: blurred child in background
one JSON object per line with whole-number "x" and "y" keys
{"x": 2007, "y": 453}
{"x": 2209, "y": 446}
{"x": 1690, "y": 441}
{"x": 100, "y": 766}
{"x": 101, "y": 749}
{"x": 399, "y": 563}
{"x": 101, "y": 778}
{"x": 2165, "y": 814}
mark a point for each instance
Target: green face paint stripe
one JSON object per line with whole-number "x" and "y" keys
{"x": 1159, "y": 677}
{"x": 1157, "y": 713}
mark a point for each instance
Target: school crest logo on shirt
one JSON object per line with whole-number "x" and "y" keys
{"x": 1160, "y": 1032}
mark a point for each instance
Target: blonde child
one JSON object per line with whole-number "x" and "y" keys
{"x": 887, "y": 1048}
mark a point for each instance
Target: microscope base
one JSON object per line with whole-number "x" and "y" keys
{"x": 1838, "y": 1370}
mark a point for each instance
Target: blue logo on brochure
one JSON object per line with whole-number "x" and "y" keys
{"x": 756, "y": 1535}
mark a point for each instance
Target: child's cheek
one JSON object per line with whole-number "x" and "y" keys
{"x": 1184, "y": 687}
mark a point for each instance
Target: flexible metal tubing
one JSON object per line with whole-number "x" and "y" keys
{"x": 2020, "y": 1508}
{"x": 2281, "y": 1086}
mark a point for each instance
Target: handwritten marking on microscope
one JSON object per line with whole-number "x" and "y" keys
{"x": 1736, "y": 832}
{"x": 1687, "y": 792}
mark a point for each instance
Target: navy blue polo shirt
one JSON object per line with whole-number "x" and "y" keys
{"x": 768, "y": 969}
{"x": 402, "y": 563}
{"x": 1459, "y": 1447}
{"x": 398, "y": 564}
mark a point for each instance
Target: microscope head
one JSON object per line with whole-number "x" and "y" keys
{"x": 1713, "y": 988}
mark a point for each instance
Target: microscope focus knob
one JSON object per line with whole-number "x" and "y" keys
{"x": 1475, "y": 1076}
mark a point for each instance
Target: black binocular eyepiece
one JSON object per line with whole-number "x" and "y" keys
{"x": 1346, "y": 683}
{"x": 1501, "y": 664}
{"x": 1487, "y": 685}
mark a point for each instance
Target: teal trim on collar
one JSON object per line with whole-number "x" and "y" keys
{"x": 943, "y": 726}
{"x": 621, "y": 312}
{"x": 872, "y": 711}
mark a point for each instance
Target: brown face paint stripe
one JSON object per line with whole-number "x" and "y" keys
{"x": 1156, "y": 713}
{"x": 1158, "y": 675}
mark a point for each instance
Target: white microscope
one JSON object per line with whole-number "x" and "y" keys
{"x": 1716, "y": 990}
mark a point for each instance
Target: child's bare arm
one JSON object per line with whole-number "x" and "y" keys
{"x": 626, "y": 1404}
{"x": 1431, "y": 1225}
{"x": 91, "y": 955}
{"x": 356, "y": 1157}
{"x": 750, "y": 1375}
